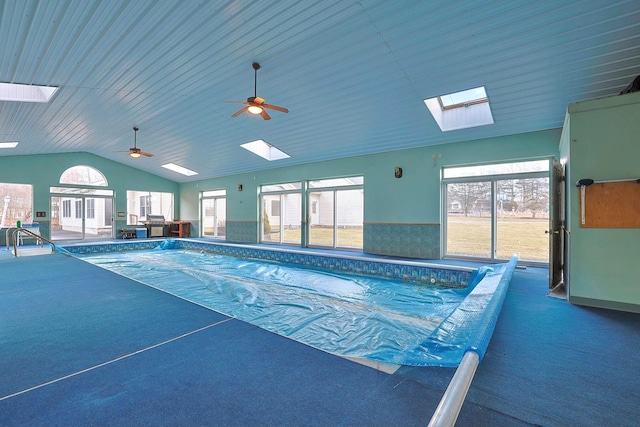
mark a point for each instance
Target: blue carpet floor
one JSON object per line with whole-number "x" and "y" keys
{"x": 84, "y": 346}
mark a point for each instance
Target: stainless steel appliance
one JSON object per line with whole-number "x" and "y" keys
{"x": 156, "y": 226}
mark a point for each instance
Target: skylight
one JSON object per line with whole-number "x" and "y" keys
{"x": 460, "y": 110}
{"x": 264, "y": 150}
{"x": 8, "y": 144}
{"x": 459, "y": 99}
{"x": 179, "y": 169}
{"x": 26, "y": 93}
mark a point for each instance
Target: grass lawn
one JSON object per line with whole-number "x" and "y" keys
{"x": 323, "y": 236}
{"x": 466, "y": 236}
{"x": 471, "y": 236}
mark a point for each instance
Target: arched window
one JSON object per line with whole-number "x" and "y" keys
{"x": 83, "y": 175}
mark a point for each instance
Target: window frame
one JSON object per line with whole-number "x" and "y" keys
{"x": 493, "y": 179}
{"x": 217, "y": 196}
{"x": 280, "y": 189}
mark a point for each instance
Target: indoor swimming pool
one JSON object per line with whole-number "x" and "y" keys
{"x": 406, "y": 314}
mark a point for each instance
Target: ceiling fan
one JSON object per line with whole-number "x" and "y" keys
{"x": 255, "y": 104}
{"x": 134, "y": 151}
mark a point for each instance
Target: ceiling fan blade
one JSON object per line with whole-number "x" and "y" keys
{"x": 265, "y": 115}
{"x": 240, "y": 111}
{"x": 142, "y": 153}
{"x": 258, "y": 100}
{"x": 275, "y": 107}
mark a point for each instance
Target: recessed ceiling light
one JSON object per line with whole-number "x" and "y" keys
{"x": 461, "y": 110}
{"x": 265, "y": 150}
{"x": 26, "y": 93}
{"x": 179, "y": 169}
{"x": 8, "y": 144}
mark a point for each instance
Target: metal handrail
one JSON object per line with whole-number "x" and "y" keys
{"x": 449, "y": 408}
{"x": 18, "y": 230}
{"x": 8, "y": 242}
{"x": 6, "y": 237}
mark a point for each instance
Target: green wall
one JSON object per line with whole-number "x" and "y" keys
{"x": 412, "y": 199}
{"x": 604, "y": 144}
{"x": 43, "y": 171}
{"x": 408, "y": 205}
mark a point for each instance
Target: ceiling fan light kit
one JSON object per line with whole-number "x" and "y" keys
{"x": 134, "y": 151}
{"x": 255, "y": 104}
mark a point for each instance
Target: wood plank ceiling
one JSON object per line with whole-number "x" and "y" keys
{"x": 352, "y": 73}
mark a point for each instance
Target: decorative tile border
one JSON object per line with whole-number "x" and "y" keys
{"x": 242, "y": 231}
{"x": 409, "y": 271}
{"x": 402, "y": 240}
{"x": 98, "y": 248}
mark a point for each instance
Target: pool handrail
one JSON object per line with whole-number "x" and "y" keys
{"x": 14, "y": 239}
{"x": 450, "y": 405}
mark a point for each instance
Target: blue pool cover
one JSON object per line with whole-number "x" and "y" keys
{"x": 359, "y": 316}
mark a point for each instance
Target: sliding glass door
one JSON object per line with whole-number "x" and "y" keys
{"x": 468, "y": 219}
{"x": 336, "y": 213}
{"x": 214, "y": 214}
{"x": 81, "y": 213}
{"x": 81, "y": 218}
{"x": 495, "y": 211}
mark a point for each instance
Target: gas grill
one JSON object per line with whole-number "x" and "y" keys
{"x": 156, "y": 226}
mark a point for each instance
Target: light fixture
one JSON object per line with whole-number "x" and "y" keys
{"x": 134, "y": 154}
{"x": 253, "y": 109}
{"x": 179, "y": 169}
{"x": 12, "y": 144}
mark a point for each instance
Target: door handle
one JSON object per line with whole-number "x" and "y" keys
{"x": 551, "y": 231}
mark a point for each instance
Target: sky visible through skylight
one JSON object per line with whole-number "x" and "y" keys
{"x": 460, "y": 110}
{"x": 179, "y": 169}
{"x": 264, "y": 150}
{"x": 26, "y": 93}
{"x": 464, "y": 96}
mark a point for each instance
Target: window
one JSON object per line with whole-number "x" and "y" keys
{"x": 281, "y": 213}
{"x": 494, "y": 211}
{"x": 82, "y": 187}
{"x": 66, "y": 209}
{"x": 337, "y": 212}
{"x": 78, "y": 208}
{"x": 26, "y": 93}
{"x": 141, "y": 204}
{"x": 16, "y": 204}
{"x": 179, "y": 169}
{"x": 461, "y": 110}
{"x": 265, "y": 150}
{"x": 463, "y": 99}
{"x": 108, "y": 214}
{"x": 334, "y": 209}
{"x": 275, "y": 207}
{"x": 83, "y": 175}
{"x": 145, "y": 206}
{"x": 214, "y": 214}
{"x": 91, "y": 208}
{"x": 496, "y": 169}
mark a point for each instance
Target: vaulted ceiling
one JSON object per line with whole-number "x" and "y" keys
{"x": 353, "y": 74}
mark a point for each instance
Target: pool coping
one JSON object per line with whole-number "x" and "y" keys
{"x": 413, "y": 271}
